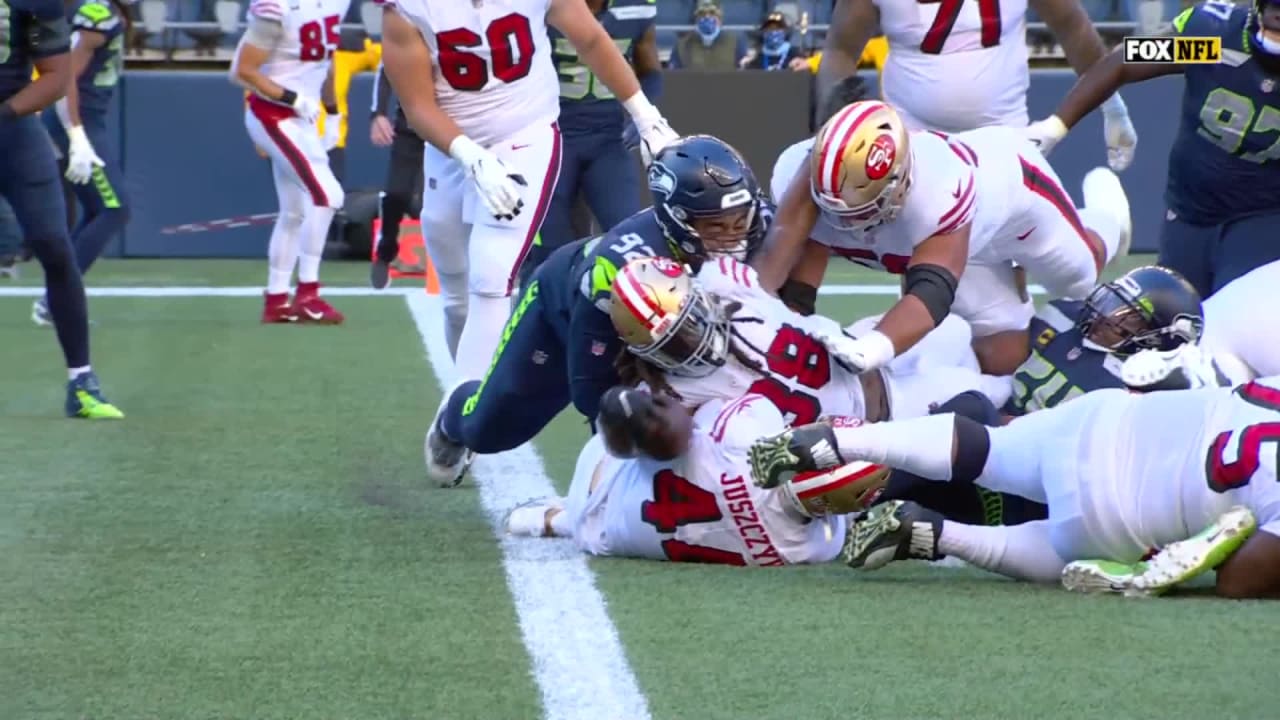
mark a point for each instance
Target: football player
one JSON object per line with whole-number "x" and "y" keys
{"x": 35, "y": 33}
{"x": 285, "y": 61}
{"x": 477, "y": 81}
{"x": 597, "y": 159}
{"x": 1223, "y": 180}
{"x": 80, "y": 127}
{"x": 660, "y": 484}
{"x": 951, "y": 214}
{"x": 1232, "y": 337}
{"x": 558, "y": 347}
{"x": 959, "y": 66}
{"x": 1122, "y": 474}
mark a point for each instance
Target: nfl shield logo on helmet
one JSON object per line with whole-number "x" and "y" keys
{"x": 597, "y": 348}
{"x": 1073, "y": 353}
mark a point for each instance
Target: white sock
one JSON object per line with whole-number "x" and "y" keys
{"x": 920, "y": 445}
{"x": 314, "y": 234}
{"x": 560, "y": 524}
{"x": 1022, "y": 551}
{"x": 75, "y": 372}
{"x": 1105, "y": 224}
{"x": 282, "y": 252}
{"x": 486, "y": 317}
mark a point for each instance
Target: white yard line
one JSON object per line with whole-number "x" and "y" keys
{"x": 198, "y": 291}
{"x": 578, "y": 660}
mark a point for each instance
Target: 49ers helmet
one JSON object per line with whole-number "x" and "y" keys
{"x": 860, "y": 167}
{"x": 665, "y": 317}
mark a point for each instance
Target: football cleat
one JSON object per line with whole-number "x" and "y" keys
{"x": 40, "y": 313}
{"x": 808, "y": 448}
{"x": 380, "y": 275}
{"x": 85, "y": 400}
{"x": 276, "y": 309}
{"x": 896, "y": 530}
{"x": 9, "y": 267}
{"x": 312, "y": 309}
{"x": 1101, "y": 190}
{"x": 533, "y": 518}
{"x": 447, "y": 461}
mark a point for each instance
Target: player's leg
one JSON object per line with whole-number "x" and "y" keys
{"x": 445, "y": 237}
{"x": 282, "y": 248}
{"x": 991, "y": 297}
{"x": 403, "y": 172}
{"x": 498, "y": 247}
{"x": 1246, "y": 244}
{"x": 557, "y": 226}
{"x": 29, "y": 181}
{"x": 309, "y": 163}
{"x": 612, "y": 184}
{"x": 1064, "y": 249}
{"x": 1189, "y": 250}
{"x": 525, "y": 387}
{"x": 103, "y": 198}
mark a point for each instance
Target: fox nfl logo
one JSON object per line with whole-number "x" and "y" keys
{"x": 1173, "y": 50}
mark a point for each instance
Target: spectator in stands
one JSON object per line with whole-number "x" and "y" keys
{"x": 776, "y": 51}
{"x": 709, "y": 46}
{"x": 356, "y": 54}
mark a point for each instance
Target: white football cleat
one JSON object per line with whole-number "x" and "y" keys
{"x": 1102, "y": 191}
{"x": 533, "y": 518}
{"x": 447, "y": 461}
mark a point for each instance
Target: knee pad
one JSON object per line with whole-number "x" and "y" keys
{"x": 453, "y": 290}
{"x": 291, "y": 221}
{"x": 973, "y": 445}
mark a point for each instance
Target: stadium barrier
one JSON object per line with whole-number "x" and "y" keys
{"x": 200, "y": 190}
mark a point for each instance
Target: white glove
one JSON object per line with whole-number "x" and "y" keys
{"x": 1186, "y": 367}
{"x": 1118, "y": 130}
{"x": 1046, "y": 133}
{"x": 499, "y": 187}
{"x": 655, "y": 132}
{"x": 81, "y": 157}
{"x": 869, "y": 352}
{"x": 308, "y": 109}
{"x": 332, "y": 132}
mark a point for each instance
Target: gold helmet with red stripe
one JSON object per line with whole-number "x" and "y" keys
{"x": 839, "y": 491}
{"x": 666, "y": 318}
{"x": 860, "y": 166}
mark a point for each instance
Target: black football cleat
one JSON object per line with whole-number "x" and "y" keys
{"x": 896, "y": 530}
{"x": 807, "y": 448}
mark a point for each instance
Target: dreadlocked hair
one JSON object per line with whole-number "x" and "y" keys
{"x": 736, "y": 341}
{"x": 634, "y": 370}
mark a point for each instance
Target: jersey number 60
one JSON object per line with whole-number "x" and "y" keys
{"x": 510, "y": 41}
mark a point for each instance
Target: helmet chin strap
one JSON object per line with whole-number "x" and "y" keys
{"x": 1091, "y": 345}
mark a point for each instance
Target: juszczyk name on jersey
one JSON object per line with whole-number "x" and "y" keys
{"x": 1173, "y": 50}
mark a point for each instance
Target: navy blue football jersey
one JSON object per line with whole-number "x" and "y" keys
{"x": 586, "y": 105}
{"x": 1225, "y": 160}
{"x": 97, "y": 84}
{"x": 29, "y": 30}
{"x": 1060, "y": 366}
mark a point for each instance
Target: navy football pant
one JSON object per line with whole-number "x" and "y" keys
{"x": 104, "y": 206}
{"x": 601, "y": 169}
{"x": 526, "y": 387}
{"x": 964, "y": 502}
{"x": 1210, "y": 256}
{"x": 29, "y": 181}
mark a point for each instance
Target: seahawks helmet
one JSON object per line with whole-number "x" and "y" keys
{"x": 699, "y": 180}
{"x": 1150, "y": 307}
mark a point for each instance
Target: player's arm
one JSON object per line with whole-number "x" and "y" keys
{"x": 930, "y": 289}
{"x": 853, "y": 23}
{"x": 328, "y": 94}
{"x": 800, "y": 291}
{"x": 381, "y": 104}
{"x": 407, "y": 62}
{"x": 796, "y": 215}
{"x": 1253, "y": 571}
{"x": 601, "y": 55}
{"x": 593, "y": 346}
{"x": 264, "y": 33}
{"x": 49, "y": 42}
{"x": 1071, "y": 25}
{"x": 84, "y": 43}
{"x": 647, "y": 63}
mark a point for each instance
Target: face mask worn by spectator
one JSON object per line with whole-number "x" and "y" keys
{"x": 708, "y": 29}
{"x": 775, "y": 47}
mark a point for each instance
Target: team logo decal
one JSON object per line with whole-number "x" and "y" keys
{"x": 662, "y": 182}
{"x": 881, "y": 156}
{"x": 667, "y": 267}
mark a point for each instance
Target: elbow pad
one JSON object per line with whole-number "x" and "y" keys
{"x": 49, "y": 36}
{"x": 800, "y": 297}
{"x": 934, "y": 286}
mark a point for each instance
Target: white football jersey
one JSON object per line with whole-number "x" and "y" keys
{"x": 1159, "y": 467}
{"x": 1231, "y": 333}
{"x": 956, "y": 65}
{"x": 311, "y": 32}
{"x": 973, "y": 177}
{"x": 703, "y": 506}
{"x": 794, "y": 370}
{"x": 492, "y": 64}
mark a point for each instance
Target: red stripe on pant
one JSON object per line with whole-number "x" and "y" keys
{"x": 540, "y": 210}
{"x": 1044, "y": 186}
{"x": 271, "y": 115}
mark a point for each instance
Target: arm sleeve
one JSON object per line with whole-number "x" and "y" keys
{"x": 381, "y": 93}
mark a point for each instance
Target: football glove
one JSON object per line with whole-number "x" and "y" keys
{"x": 1046, "y": 133}
{"x": 81, "y": 157}
{"x": 498, "y": 187}
{"x": 653, "y": 137}
{"x": 869, "y": 352}
{"x": 1186, "y": 367}
{"x": 307, "y": 109}
{"x": 1117, "y": 128}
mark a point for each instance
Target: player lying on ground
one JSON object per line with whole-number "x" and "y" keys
{"x": 285, "y": 61}
{"x": 957, "y": 67}
{"x": 559, "y": 345}
{"x": 722, "y": 335}
{"x": 1122, "y": 475}
{"x": 478, "y": 83}
{"x": 1224, "y": 166}
{"x": 659, "y": 484}
{"x": 952, "y": 215}
{"x": 35, "y": 35}
{"x": 1233, "y": 336}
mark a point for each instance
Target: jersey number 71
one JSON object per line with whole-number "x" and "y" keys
{"x": 945, "y": 21}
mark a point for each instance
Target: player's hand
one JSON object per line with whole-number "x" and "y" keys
{"x": 81, "y": 157}
{"x": 1183, "y": 368}
{"x": 1046, "y": 133}
{"x": 499, "y": 188}
{"x": 1117, "y": 128}
{"x": 654, "y": 136}
{"x": 869, "y": 352}
{"x": 307, "y": 109}
{"x": 381, "y": 131}
{"x": 332, "y": 132}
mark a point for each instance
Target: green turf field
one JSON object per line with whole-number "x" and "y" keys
{"x": 256, "y": 541}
